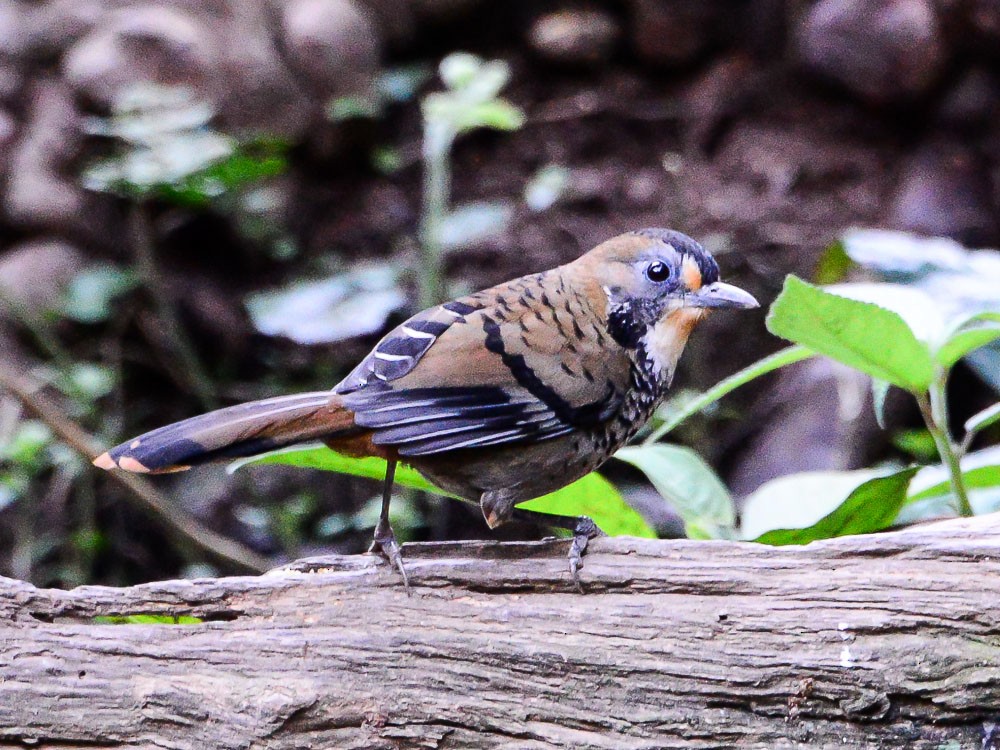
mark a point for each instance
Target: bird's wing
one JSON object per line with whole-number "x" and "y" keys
{"x": 523, "y": 362}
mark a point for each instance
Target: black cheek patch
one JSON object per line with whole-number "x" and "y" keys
{"x": 625, "y": 326}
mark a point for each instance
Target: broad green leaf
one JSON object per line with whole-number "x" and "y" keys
{"x": 968, "y": 335}
{"x": 495, "y": 115}
{"x": 974, "y": 479}
{"x": 469, "y": 223}
{"x": 978, "y": 470}
{"x": 724, "y": 387}
{"x": 801, "y": 508}
{"x": 546, "y": 187}
{"x": 591, "y": 496}
{"x": 833, "y": 265}
{"x": 861, "y": 335}
{"x": 919, "y": 443}
{"x": 984, "y": 419}
{"x": 315, "y": 456}
{"x": 925, "y": 318}
{"x": 966, "y": 341}
{"x": 689, "y": 485}
{"x": 596, "y": 497}
{"x": 147, "y": 620}
{"x": 90, "y": 294}
{"x": 903, "y": 253}
{"x": 356, "y": 302}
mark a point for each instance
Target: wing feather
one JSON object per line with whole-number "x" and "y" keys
{"x": 499, "y": 368}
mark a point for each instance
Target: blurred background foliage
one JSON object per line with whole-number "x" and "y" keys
{"x": 203, "y": 203}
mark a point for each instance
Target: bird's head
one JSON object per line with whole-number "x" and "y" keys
{"x": 658, "y": 284}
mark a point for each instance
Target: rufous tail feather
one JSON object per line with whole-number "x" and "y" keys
{"x": 236, "y": 431}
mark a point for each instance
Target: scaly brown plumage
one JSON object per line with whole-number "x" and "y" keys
{"x": 498, "y": 397}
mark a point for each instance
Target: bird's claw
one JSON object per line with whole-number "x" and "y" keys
{"x": 581, "y": 537}
{"x": 386, "y": 545}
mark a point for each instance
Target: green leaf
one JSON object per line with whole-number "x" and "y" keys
{"x": 595, "y": 497}
{"x": 861, "y": 335}
{"x": 801, "y": 508}
{"x": 356, "y": 302}
{"x": 833, "y": 265}
{"x": 320, "y": 457}
{"x": 26, "y": 446}
{"x": 724, "y": 387}
{"x": 496, "y": 115}
{"x": 90, "y": 294}
{"x": 591, "y": 496}
{"x": 967, "y": 336}
{"x": 974, "y": 479}
{"x": 689, "y": 485}
{"x": 983, "y": 420}
{"x": 147, "y": 620}
{"x": 918, "y": 443}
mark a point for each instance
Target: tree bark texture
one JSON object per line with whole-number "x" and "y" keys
{"x": 889, "y": 641}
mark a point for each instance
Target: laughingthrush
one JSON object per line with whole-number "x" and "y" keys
{"x": 498, "y": 397}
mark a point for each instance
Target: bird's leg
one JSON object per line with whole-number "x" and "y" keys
{"x": 584, "y": 529}
{"x": 385, "y": 541}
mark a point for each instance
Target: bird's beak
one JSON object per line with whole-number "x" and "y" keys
{"x": 721, "y": 294}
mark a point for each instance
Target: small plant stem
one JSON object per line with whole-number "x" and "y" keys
{"x": 144, "y": 495}
{"x": 40, "y": 332}
{"x": 935, "y": 414}
{"x": 142, "y": 242}
{"x": 436, "y": 192}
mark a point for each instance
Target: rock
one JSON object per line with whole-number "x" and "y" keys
{"x": 395, "y": 19}
{"x": 40, "y": 193}
{"x": 332, "y": 44}
{"x": 11, "y": 36}
{"x": 984, "y": 18}
{"x": 48, "y": 28}
{"x": 945, "y": 191}
{"x": 442, "y": 10}
{"x": 256, "y": 91}
{"x": 10, "y": 83}
{"x": 34, "y": 274}
{"x": 141, "y": 43}
{"x": 8, "y": 130}
{"x": 672, "y": 33}
{"x": 883, "y": 51}
{"x": 972, "y": 102}
{"x": 574, "y": 37}
{"x": 717, "y": 97}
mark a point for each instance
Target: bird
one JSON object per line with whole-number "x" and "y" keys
{"x": 496, "y": 397}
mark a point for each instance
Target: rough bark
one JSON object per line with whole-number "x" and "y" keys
{"x": 888, "y": 641}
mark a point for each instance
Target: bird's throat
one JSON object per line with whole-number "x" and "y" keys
{"x": 664, "y": 341}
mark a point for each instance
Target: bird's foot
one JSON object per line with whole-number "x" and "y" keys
{"x": 583, "y": 532}
{"x": 385, "y": 544}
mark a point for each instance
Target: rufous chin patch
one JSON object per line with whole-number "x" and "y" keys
{"x": 690, "y": 274}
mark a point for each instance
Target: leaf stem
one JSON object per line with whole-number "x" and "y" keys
{"x": 142, "y": 241}
{"x": 438, "y": 138}
{"x": 768, "y": 364}
{"x": 935, "y": 413}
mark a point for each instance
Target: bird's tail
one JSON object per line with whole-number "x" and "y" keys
{"x": 242, "y": 430}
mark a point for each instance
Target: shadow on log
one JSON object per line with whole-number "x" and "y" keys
{"x": 889, "y": 641}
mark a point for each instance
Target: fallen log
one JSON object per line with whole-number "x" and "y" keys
{"x": 888, "y": 641}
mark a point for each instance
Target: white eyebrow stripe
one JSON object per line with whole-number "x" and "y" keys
{"x": 391, "y": 357}
{"x": 418, "y": 334}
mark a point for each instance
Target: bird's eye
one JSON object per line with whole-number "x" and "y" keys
{"x": 657, "y": 272}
